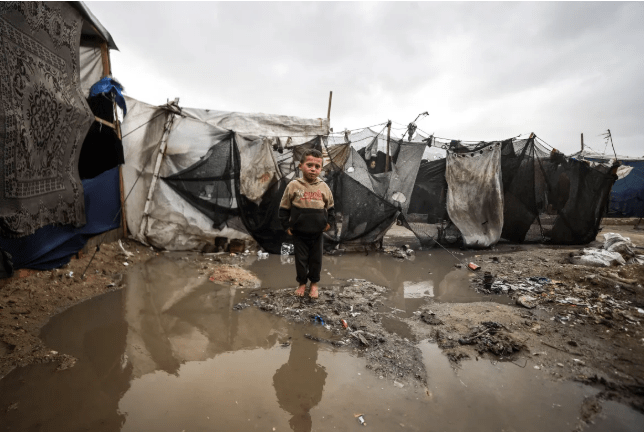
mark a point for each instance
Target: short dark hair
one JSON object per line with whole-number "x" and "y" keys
{"x": 310, "y": 153}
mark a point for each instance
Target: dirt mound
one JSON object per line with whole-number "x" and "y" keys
{"x": 359, "y": 304}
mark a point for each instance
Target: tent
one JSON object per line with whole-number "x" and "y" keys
{"x": 627, "y": 195}
{"x": 186, "y": 169}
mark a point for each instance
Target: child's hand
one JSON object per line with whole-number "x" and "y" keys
{"x": 288, "y": 231}
{"x": 328, "y": 226}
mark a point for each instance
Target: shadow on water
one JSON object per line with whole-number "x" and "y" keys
{"x": 168, "y": 353}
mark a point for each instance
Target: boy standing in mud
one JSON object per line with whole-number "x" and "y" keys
{"x": 306, "y": 211}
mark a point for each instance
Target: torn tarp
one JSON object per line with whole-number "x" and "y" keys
{"x": 475, "y": 194}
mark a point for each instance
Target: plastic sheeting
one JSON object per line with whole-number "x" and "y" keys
{"x": 53, "y": 246}
{"x": 172, "y": 222}
{"x": 475, "y": 194}
{"x": 91, "y": 68}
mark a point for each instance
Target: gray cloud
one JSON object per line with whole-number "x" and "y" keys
{"x": 483, "y": 70}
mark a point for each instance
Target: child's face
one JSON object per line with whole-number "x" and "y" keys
{"x": 311, "y": 168}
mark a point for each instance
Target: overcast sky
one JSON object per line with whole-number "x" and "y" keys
{"x": 483, "y": 71}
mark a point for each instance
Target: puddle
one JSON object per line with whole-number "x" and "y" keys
{"x": 168, "y": 353}
{"x": 431, "y": 275}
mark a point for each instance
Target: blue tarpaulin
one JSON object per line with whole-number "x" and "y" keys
{"x": 107, "y": 85}
{"x": 53, "y": 246}
{"x": 627, "y": 195}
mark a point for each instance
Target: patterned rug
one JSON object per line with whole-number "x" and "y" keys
{"x": 43, "y": 117}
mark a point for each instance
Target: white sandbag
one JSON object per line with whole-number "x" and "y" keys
{"x": 598, "y": 258}
{"x": 617, "y": 243}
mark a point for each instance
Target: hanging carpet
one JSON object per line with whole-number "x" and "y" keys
{"x": 43, "y": 117}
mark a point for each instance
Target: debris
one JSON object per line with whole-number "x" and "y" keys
{"x": 397, "y": 384}
{"x": 125, "y": 252}
{"x": 287, "y": 249}
{"x": 473, "y": 266}
{"x": 318, "y": 319}
{"x": 488, "y": 337}
{"x": 596, "y": 258}
{"x": 240, "y": 306}
{"x": 344, "y": 324}
{"x": 361, "y": 419}
{"x": 619, "y": 244}
{"x": 430, "y": 318}
{"x": 527, "y": 301}
{"x": 262, "y": 255}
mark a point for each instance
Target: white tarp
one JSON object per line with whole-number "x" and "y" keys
{"x": 475, "y": 195}
{"x": 172, "y": 223}
{"x": 91, "y": 67}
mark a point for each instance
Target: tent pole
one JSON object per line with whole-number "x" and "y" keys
{"x": 328, "y": 113}
{"x": 388, "y": 139}
{"x": 155, "y": 174}
{"x": 582, "y": 142}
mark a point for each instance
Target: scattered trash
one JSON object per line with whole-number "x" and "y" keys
{"x": 344, "y": 324}
{"x": 430, "y": 318}
{"x": 240, "y": 306}
{"x": 318, "y": 319}
{"x": 262, "y": 255}
{"x": 579, "y": 362}
{"x": 527, "y": 301}
{"x": 126, "y": 264}
{"x": 473, "y": 266}
{"x": 397, "y": 384}
{"x": 360, "y": 418}
{"x": 70, "y": 274}
{"x": 287, "y": 249}
{"x": 488, "y": 280}
{"x": 125, "y": 252}
{"x": 489, "y": 337}
{"x": 597, "y": 258}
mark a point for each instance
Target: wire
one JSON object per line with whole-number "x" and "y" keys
{"x": 142, "y": 125}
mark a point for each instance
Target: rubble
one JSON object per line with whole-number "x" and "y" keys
{"x": 350, "y": 316}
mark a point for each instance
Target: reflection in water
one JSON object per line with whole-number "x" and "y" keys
{"x": 299, "y": 383}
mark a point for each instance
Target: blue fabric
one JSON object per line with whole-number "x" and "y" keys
{"x": 627, "y": 195}
{"x": 107, "y": 85}
{"x": 53, "y": 246}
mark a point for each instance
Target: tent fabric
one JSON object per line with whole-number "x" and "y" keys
{"x": 551, "y": 198}
{"x": 43, "y": 117}
{"x": 53, "y": 246}
{"x": 299, "y": 130}
{"x": 91, "y": 67}
{"x": 475, "y": 194}
{"x": 627, "y": 194}
{"x": 175, "y": 223}
{"x": 92, "y": 28}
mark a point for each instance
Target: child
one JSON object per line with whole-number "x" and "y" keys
{"x": 306, "y": 211}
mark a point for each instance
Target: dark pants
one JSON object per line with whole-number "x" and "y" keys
{"x": 308, "y": 257}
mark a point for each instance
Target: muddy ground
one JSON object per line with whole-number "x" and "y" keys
{"x": 30, "y": 298}
{"x": 586, "y": 323}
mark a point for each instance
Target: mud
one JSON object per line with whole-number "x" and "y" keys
{"x": 361, "y": 306}
{"x": 218, "y": 342}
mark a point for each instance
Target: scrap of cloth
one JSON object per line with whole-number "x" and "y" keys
{"x": 44, "y": 117}
{"x": 475, "y": 194}
{"x": 109, "y": 85}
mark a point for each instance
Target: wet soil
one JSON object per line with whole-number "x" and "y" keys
{"x": 186, "y": 316}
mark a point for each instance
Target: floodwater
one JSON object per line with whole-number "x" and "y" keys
{"x": 168, "y": 353}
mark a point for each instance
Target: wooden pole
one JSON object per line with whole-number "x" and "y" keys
{"x": 582, "y": 142}
{"x": 105, "y": 58}
{"x": 388, "y": 139}
{"x": 328, "y": 113}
